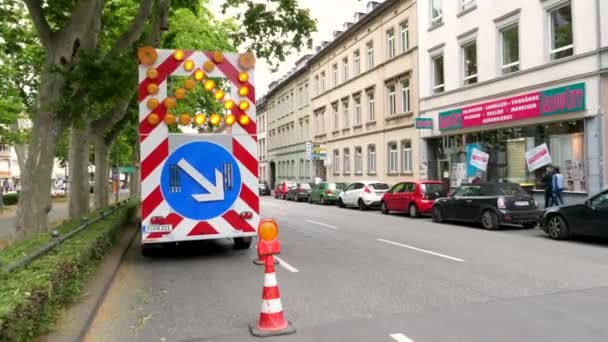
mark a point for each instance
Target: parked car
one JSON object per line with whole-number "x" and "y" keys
{"x": 489, "y": 203}
{"x": 281, "y": 189}
{"x": 299, "y": 192}
{"x": 588, "y": 218}
{"x": 414, "y": 198}
{"x": 326, "y": 193}
{"x": 263, "y": 189}
{"x": 363, "y": 194}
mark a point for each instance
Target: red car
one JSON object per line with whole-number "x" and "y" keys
{"x": 415, "y": 198}
{"x": 281, "y": 190}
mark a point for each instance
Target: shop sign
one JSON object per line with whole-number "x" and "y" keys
{"x": 538, "y": 157}
{"x": 479, "y": 159}
{"x": 560, "y": 100}
{"x": 424, "y": 123}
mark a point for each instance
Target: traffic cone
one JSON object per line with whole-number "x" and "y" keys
{"x": 260, "y": 260}
{"x": 271, "y": 322}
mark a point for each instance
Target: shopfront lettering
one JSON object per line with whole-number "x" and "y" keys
{"x": 424, "y": 123}
{"x": 566, "y": 99}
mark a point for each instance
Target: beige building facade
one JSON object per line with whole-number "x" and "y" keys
{"x": 365, "y": 98}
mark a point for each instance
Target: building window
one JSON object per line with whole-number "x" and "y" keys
{"x": 436, "y": 12}
{"x": 357, "y": 100}
{"x": 345, "y": 69}
{"x": 336, "y": 165}
{"x": 562, "y": 44}
{"x": 317, "y": 89}
{"x": 469, "y": 53}
{"x": 509, "y": 37}
{"x": 322, "y": 80}
{"x": 406, "y": 150}
{"x": 438, "y": 80}
{"x": 293, "y": 168}
{"x": 371, "y": 159}
{"x": 392, "y": 101}
{"x": 405, "y": 96}
{"x": 306, "y": 94}
{"x": 405, "y": 36}
{"x": 334, "y": 108}
{"x": 346, "y": 166}
{"x": 371, "y": 107}
{"x": 356, "y": 63}
{"x": 467, "y": 4}
{"x": 358, "y": 160}
{"x": 301, "y": 168}
{"x": 300, "y": 96}
{"x": 307, "y": 170}
{"x": 346, "y": 122}
{"x": 390, "y": 43}
{"x": 370, "y": 55}
{"x": 393, "y": 157}
{"x": 334, "y": 74}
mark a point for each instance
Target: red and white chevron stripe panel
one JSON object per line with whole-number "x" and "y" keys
{"x": 154, "y": 148}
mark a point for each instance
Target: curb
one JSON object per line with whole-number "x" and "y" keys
{"x": 77, "y": 319}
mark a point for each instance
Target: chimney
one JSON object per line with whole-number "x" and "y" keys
{"x": 358, "y": 16}
{"x": 372, "y": 5}
{"x": 324, "y": 43}
{"x": 346, "y": 26}
{"x": 336, "y": 33}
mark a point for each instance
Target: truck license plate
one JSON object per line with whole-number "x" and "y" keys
{"x": 521, "y": 203}
{"x": 159, "y": 228}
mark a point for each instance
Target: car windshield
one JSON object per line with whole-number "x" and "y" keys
{"x": 434, "y": 191}
{"x": 504, "y": 189}
{"x": 305, "y": 186}
{"x": 262, "y": 186}
{"x": 337, "y": 186}
{"x": 379, "y": 186}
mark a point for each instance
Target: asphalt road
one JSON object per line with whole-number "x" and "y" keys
{"x": 348, "y": 275}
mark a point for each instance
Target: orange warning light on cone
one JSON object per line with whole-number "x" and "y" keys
{"x": 229, "y": 119}
{"x": 215, "y": 119}
{"x": 218, "y": 57}
{"x": 209, "y": 66}
{"x": 152, "y": 89}
{"x": 199, "y": 119}
{"x": 243, "y": 91}
{"x": 152, "y": 104}
{"x": 229, "y": 104}
{"x": 152, "y": 73}
{"x": 244, "y": 120}
{"x": 153, "y": 119}
{"x": 185, "y": 119}
{"x": 199, "y": 75}
{"x": 219, "y": 95}
{"x": 170, "y": 119}
{"x": 243, "y": 77}
{"x": 147, "y": 55}
{"x": 189, "y": 65}
{"x": 189, "y": 84}
{"x": 179, "y": 54}
{"x": 180, "y": 93}
{"x": 170, "y": 103}
{"x": 244, "y": 105}
{"x": 209, "y": 85}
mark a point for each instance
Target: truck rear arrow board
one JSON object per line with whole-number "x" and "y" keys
{"x": 216, "y": 192}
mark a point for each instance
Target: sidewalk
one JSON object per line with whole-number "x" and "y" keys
{"x": 55, "y": 217}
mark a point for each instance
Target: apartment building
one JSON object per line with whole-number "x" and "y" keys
{"x": 517, "y": 80}
{"x": 288, "y": 118}
{"x": 364, "y": 95}
{"x": 262, "y": 125}
{"x": 9, "y": 168}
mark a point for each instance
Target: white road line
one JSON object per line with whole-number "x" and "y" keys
{"x": 286, "y": 265}
{"x": 277, "y": 212}
{"x": 421, "y": 250}
{"x": 322, "y": 224}
{"x": 400, "y": 338}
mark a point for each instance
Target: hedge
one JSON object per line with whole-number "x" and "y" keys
{"x": 31, "y": 297}
{"x": 11, "y": 199}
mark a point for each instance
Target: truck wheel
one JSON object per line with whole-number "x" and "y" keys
{"x": 242, "y": 243}
{"x": 148, "y": 251}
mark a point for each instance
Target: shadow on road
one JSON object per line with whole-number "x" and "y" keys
{"x": 206, "y": 249}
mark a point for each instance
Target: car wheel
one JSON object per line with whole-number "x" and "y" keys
{"x": 383, "y": 208}
{"x": 489, "y": 220}
{"x": 528, "y": 225}
{"x": 437, "y": 215}
{"x": 242, "y": 243}
{"x": 557, "y": 228}
{"x": 340, "y": 203}
{"x": 309, "y": 199}
{"x": 322, "y": 200}
{"x": 295, "y": 198}
{"x": 414, "y": 211}
{"x": 361, "y": 205}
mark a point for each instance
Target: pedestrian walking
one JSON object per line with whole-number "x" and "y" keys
{"x": 547, "y": 181}
{"x": 558, "y": 186}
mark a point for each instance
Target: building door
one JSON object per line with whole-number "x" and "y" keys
{"x": 443, "y": 168}
{"x": 272, "y": 177}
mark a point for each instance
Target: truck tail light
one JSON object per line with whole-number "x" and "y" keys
{"x": 246, "y": 215}
{"x": 366, "y": 189}
{"x": 501, "y": 203}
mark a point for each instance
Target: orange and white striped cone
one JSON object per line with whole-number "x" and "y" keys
{"x": 271, "y": 322}
{"x": 260, "y": 260}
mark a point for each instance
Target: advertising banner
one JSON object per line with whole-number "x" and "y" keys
{"x": 538, "y": 157}
{"x": 479, "y": 159}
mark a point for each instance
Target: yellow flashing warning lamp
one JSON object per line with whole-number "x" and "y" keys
{"x": 219, "y": 95}
{"x": 152, "y": 104}
{"x": 152, "y": 73}
{"x": 152, "y": 89}
{"x": 185, "y": 119}
{"x": 199, "y": 119}
{"x": 244, "y": 120}
{"x": 179, "y": 54}
{"x": 199, "y": 75}
{"x": 189, "y": 84}
{"x": 189, "y": 65}
{"x": 218, "y": 57}
{"x": 229, "y": 119}
{"x": 209, "y": 66}
{"x": 243, "y": 77}
{"x": 180, "y": 93}
{"x": 268, "y": 230}
{"x": 147, "y": 55}
{"x": 215, "y": 119}
{"x": 244, "y": 105}
{"x": 153, "y": 119}
{"x": 170, "y": 103}
{"x": 229, "y": 104}
{"x": 170, "y": 119}
{"x": 243, "y": 91}
{"x": 209, "y": 85}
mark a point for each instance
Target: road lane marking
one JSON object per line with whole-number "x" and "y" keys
{"x": 322, "y": 224}
{"x": 400, "y": 338}
{"x": 277, "y": 212}
{"x": 286, "y": 265}
{"x": 421, "y": 250}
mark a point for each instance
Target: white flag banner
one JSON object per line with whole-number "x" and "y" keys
{"x": 479, "y": 159}
{"x": 538, "y": 157}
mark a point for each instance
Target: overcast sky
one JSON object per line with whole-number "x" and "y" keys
{"x": 330, "y": 15}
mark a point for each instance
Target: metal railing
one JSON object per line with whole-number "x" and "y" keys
{"x": 58, "y": 240}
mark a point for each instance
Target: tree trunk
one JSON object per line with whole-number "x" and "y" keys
{"x": 102, "y": 172}
{"x": 78, "y": 162}
{"x": 134, "y": 188}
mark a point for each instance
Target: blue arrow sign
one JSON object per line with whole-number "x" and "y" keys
{"x": 201, "y": 180}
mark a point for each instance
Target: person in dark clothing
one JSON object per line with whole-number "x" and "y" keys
{"x": 548, "y": 184}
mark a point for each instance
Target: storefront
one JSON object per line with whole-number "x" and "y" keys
{"x": 515, "y": 139}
